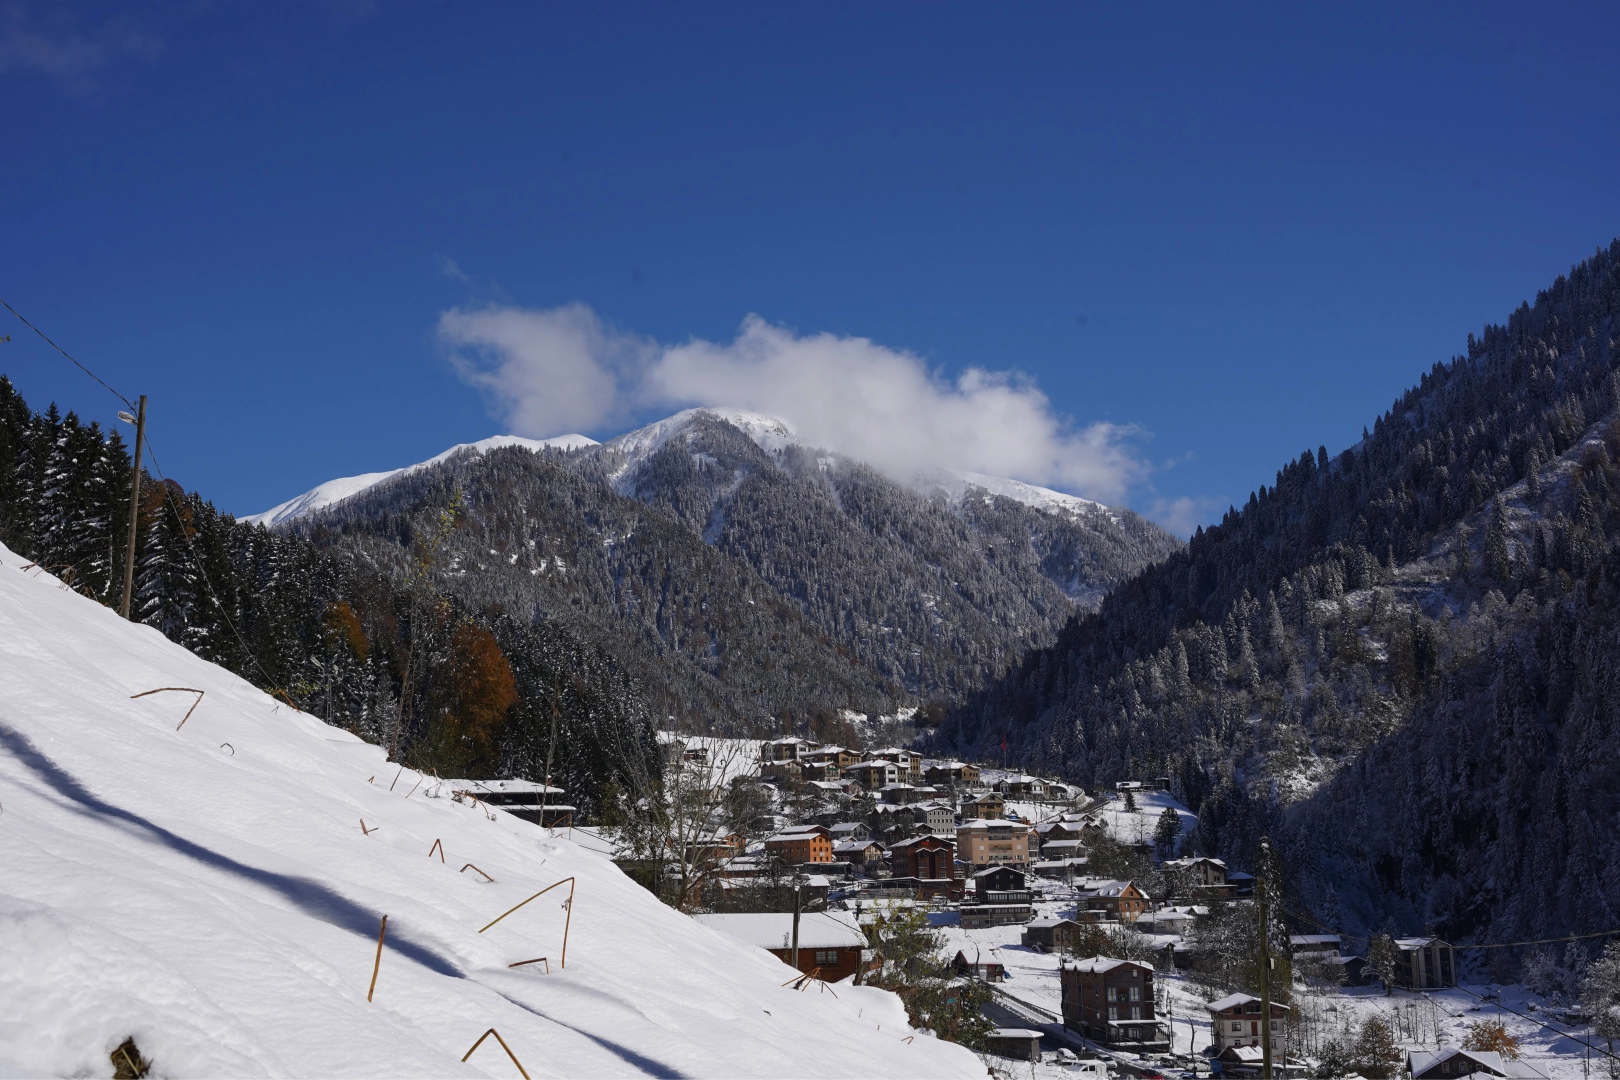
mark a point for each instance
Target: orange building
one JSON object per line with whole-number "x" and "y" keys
{"x": 802, "y": 844}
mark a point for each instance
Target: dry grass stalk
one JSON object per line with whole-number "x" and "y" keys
{"x": 396, "y": 777}
{"x": 367, "y": 831}
{"x": 228, "y": 746}
{"x": 487, "y": 878}
{"x": 502, "y": 1041}
{"x": 536, "y": 960}
{"x": 128, "y": 1064}
{"x": 439, "y": 845}
{"x": 568, "y": 906}
{"x": 183, "y": 689}
{"x": 376, "y": 965}
{"x": 414, "y": 786}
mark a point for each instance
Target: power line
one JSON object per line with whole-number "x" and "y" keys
{"x": 203, "y": 573}
{"x": 1491, "y": 945}
{"x": 65, "y": 353}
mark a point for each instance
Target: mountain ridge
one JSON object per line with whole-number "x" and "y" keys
{"x": 699, "y": 549}
{"x": 772, "y": 435}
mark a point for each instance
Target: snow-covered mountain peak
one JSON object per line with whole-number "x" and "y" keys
{"x": 335, "y": 491}
{"x": 957, "y": 486}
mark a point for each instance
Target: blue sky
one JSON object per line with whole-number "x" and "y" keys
{"x": 1227, "y": 236}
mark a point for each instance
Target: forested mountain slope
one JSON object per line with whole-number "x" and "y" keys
{"x": 747, "y": 578}
{"x": 441, "y": 682}
{"x": 1392, "y": 660}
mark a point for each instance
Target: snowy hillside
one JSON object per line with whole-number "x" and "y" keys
{"x": 204, "y": 885}
{"x": 334, "y": 491}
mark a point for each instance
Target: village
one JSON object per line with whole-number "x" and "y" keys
{"x": 1081, "y": 914}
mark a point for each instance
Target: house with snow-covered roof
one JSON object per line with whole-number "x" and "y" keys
{"x": 1238, "y": 1020}
{"x": 1110, "y": 1002}
{"x": 836, "y": 946}
{"x": 1106, "y": 898}
{"x": 1424, "y": 963}
{"x": 1451, "y": 1062}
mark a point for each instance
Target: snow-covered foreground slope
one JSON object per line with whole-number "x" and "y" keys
{"x": 209, "y": 891}
{"x": 335, "y": 491}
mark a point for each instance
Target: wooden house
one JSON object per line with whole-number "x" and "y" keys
{"x": 986, "y": 807}
{"x": 830, "y": 946}
{"x": 1051, "y": 935}
{"x": 1120, "y": 900}
{"x": 1020, "y": 1044}
{"x": 979, "y": 968}
{"x": 1450, "y": 1062}
{"x": 1236, "y": 1020}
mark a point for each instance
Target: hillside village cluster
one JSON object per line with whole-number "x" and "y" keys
{"x": 999, "y": 860}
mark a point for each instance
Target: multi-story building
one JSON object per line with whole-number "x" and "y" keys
{"x": 1111, "y": 1002}
{"x": 910, "y": 764}
{"x": 940, "y": 818}
{"x": 802, "y": 844}
{"x": 1236, "y": 1020}
{"x": 999, "y": 897}
{"x": 1109, "y": 900}
{"x": 984, "y": 807}
{"x": 993, "y": 843}
{"x": 873, "y": 775}
{"x": 788, "y": 749}
{"x": 924, "y": 857}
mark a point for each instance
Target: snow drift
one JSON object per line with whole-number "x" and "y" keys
{"x": 208, "y": 890}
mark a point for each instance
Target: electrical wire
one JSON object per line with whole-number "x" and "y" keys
{"x": 1491, "y": 945}
{"x": 64, "y": 352}
{"x": 191, "y": 549}
{"x": 168, "y": 494}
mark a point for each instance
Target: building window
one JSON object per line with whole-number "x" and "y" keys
{"x": 1237, "y": 1026}
{"x": 1109, "y": 994}
{"x": 1113, "y": 1012}
{"x": 1136, "y": 1012}
{"x": 1136, "y": 993}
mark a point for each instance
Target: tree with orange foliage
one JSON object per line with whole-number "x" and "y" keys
{"x": 471, "y": 704}
{"x": 1491, "y": 1035}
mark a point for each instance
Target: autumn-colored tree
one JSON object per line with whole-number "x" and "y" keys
{"x": 469, "y": 705}
{"x": 340, "y": 625}
{"x": 1491, "y": 1035}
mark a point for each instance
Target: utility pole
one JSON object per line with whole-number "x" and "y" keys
{"x": 139, "y": 419}
{"x": 545, "y": 795}
{"x": 1265, "y": 959}
{"x": 797, "y": 881}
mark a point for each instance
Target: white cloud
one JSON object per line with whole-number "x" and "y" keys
{"x": 1184, "y": 514}
{"x": 67, "y": 51}
{"x": 546, "y": 372}
{"x": 550, "y": 371}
